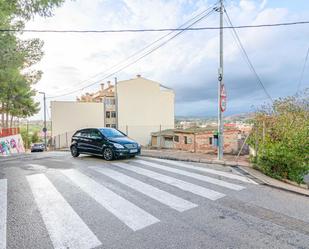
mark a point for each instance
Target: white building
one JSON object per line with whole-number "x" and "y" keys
{"x": 137, "y": 107}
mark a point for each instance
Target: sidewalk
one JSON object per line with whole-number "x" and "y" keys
{"x": 229, "y": 160}
{"x": 14, "y": 157}
{"x": 291, "y": 187}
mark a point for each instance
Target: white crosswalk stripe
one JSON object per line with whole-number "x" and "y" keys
{"x": 164, "y": 197}
{"x": 65, "y": 227}
{"x": 3, "y": 212}
{"x": 193, "y": 175}
{"x": 195, "y": 189}
{"x": 67, "y": 230}
{"x": 133, "y": 216}
{"x": 206, "y": 170}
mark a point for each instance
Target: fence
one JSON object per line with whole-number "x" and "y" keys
{"x": 139, "y": 133}
{"x": 4, "y": 132}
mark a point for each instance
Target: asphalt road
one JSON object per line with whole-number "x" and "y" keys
{"x": 51, "y": 200}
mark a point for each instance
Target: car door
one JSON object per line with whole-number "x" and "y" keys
{"x": 84, "y": 142}
{"x": 97, "y": 141}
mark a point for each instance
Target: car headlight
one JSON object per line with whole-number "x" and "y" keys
{"x": 118, "y": 146}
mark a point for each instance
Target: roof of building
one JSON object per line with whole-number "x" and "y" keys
{"x": 191, "y": 130}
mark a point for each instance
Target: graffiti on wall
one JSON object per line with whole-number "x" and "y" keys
{"x": 11, "y": 145}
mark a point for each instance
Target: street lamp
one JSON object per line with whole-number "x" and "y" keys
{"x": 44, "y": 129}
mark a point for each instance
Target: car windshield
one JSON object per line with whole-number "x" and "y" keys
{"x": 110, "y": 132}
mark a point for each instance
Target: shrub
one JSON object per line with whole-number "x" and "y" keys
{"x": 281, "y": 138}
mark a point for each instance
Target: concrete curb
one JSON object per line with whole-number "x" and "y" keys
{"x": 221, "y": 162}
{"x": 13, "y": 157}
{"x": 264, "y": 182}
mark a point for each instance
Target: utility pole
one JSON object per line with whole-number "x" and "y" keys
{"x": 44, "y": 129}
{"x": 27, "y": 143}
{"x": 220, "y": 87}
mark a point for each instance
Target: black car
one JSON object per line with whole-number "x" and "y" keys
{"x": 107, "y": 142}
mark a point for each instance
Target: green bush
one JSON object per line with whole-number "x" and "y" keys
{"x": 281, "y": 138}
{"x": 26, "y": 138}
{"x": 35, "y": 137}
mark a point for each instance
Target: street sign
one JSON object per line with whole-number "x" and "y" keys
{"x": 222, "y": 98}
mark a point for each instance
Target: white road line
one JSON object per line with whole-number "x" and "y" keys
{"x": 195, "y": 189}
{"x": 193, "y": 175}
{"x": 133, "y": 216}
{"x": 162, "y": 196}
{"x": 211, "y": 171}
{"x": 56, "y": 160}
{"x": 65, "y": 227}
{"x": 3, "y": 212}
{"x": 37, "y": 166}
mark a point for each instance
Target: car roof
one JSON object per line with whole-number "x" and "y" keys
{"x": 84, "y": 129}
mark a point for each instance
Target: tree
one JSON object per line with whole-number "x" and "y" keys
{"x": 25, "y": 136}
{"x": 281, "y": 138}
{"x": 35, "y": 137}
{"x": 17, "y": 56}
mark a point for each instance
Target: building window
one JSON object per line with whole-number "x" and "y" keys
{"x": 108, "y": 114}
{"x": 188, "y": 140}
{"x": 114, "y": 126}
{"x": 176, "y": 139}
{"x": 113, "y": 114}
{"x": 108, "y": 125}
{"x": 110, "y": 102}
{"x": 210, "y": 140}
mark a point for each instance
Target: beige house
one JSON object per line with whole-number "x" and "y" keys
{"x": 69, "y": 116}
{"x": 137, "y": 107}
{"x": 144, "y": 106}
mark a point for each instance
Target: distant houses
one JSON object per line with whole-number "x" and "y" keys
{"x": 201, "y": 140}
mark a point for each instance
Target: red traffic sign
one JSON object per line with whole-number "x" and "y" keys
{"x": 222, "y": 98}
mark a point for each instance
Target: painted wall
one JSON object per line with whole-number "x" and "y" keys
{"x": 69, "y": 116}
{"x": 142, "y": 107}
{"x": 11, "y": 145}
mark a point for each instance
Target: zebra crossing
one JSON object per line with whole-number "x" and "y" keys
{"x": 67, "y": 229}
{"x": 3, "y": 212}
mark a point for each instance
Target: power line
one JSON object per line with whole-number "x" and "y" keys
{"x": 139, "y": 58}
{"x": 154, "y": 30}
{"x": 303, "y": 71}
{"x": 247, "y": 57}
{"x": 144, "y": 48}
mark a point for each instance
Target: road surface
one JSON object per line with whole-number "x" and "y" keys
{"x": 51, "y": 200}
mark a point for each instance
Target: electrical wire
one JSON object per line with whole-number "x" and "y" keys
{"x": 247, "y": 57}
{"x": 141, "y": 50}
{"x": 154, "y": 30}
{"x": 303, "y": 71}
{"x": 139, "y": 58}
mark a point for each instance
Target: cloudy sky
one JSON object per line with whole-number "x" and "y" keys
{"x": 188, "y": 63}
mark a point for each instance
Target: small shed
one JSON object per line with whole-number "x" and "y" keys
{"x": 163, "y": 139}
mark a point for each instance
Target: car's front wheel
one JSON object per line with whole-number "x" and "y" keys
{"x": 108, "y": 154}
{"x": 74, "y": 151}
